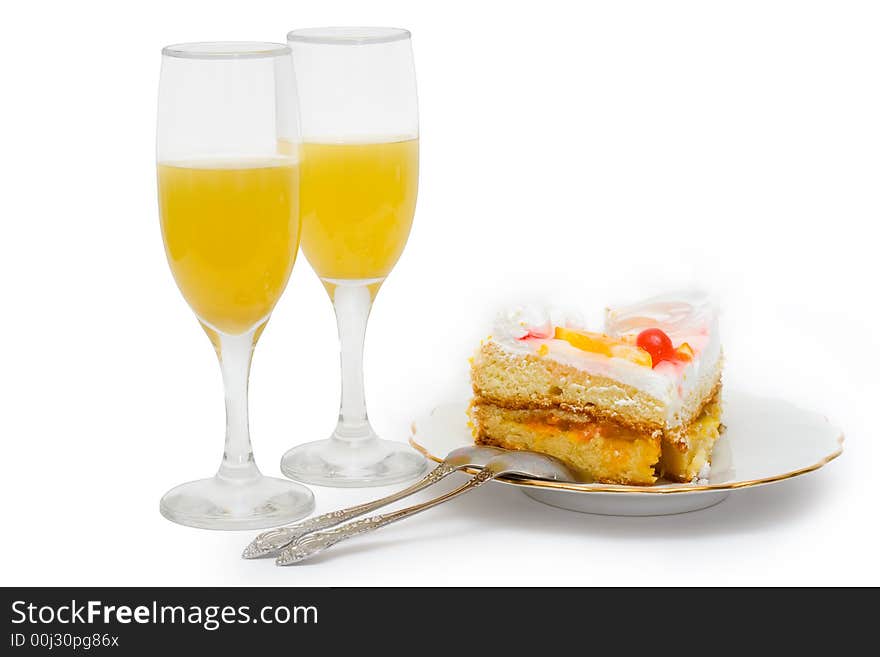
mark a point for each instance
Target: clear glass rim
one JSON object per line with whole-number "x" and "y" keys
{"x": 348, "y": 36}
{"x": 226, "y": 50}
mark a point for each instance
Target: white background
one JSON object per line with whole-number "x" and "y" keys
{"x": 586, "y": 156}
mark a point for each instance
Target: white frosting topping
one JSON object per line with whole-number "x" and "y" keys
{"x": 517, "y": 322}
{"x": 684, "y": 317}
{"x": 689, "y": 317}
{"x": 536, "y": 321}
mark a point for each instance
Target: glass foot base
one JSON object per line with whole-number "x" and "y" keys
{"x": 372, "y": 462}
{"x": 217, "y": 503}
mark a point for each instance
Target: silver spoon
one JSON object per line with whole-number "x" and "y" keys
{"x": 269, "y": 542}
{"x": 515, "y": 464}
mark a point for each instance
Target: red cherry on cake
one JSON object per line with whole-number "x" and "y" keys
{"x": 656, "y": 343}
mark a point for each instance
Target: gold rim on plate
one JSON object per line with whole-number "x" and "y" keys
{"x": 616, "y": 488}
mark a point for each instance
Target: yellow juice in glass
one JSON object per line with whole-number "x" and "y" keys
{"x": 231, "y": 231}
{"x": 357, "y": 205}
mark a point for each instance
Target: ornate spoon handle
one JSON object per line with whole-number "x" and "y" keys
{"x": 311, "y": 545}
{"x": 273, "y": 540}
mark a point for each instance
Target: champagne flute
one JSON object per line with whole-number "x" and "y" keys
{"x": 229, "y": 207}
{"x": 359, "y": 179}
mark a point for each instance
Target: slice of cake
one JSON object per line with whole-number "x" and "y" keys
{"x": 628, "y": 406}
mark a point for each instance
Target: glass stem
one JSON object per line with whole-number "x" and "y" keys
{"x": 235, "y": 353}
{"x": 352, "y": 304}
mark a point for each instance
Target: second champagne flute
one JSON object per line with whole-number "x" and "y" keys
{"x": 359, "y": 179}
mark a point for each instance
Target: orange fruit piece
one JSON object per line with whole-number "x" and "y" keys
{"x": 684, "y": 352}
{"x": 632, "y": 353}
{"x": 599, "y": 343}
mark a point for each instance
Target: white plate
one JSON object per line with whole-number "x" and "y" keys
{"x": 767, "y": 441}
